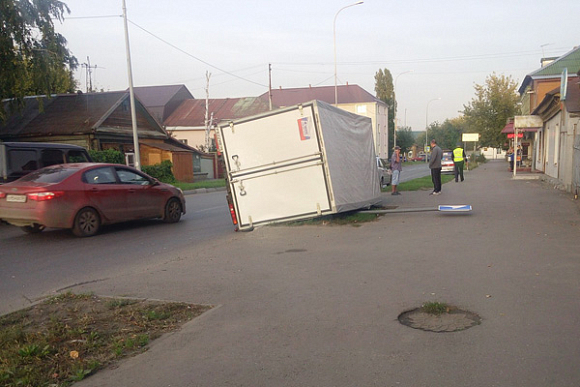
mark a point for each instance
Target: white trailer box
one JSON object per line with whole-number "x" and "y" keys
{"x": 299, "y": 162}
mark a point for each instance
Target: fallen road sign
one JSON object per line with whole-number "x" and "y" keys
{"x": 441, "y": 208}
{"x": 459, "y": 208}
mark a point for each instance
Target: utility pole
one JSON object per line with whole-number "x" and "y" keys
{"x": 270, "y": 84}
{"x": 131, "y": 92}
{"x": 89, "y": 75}
{"x": 207, "y": 121}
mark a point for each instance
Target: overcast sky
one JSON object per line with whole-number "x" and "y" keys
{"x": 449, "y": 45}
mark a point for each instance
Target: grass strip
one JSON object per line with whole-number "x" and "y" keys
{"x": 69, "y": 337}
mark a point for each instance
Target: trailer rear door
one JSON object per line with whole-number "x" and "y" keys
{"x": 275, "y": 166}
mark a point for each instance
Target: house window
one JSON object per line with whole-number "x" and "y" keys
{"x": 361, "y": 109}
{"x": 130, "y": 159}
{"x": 196, "y": 164}
{"x": 183, "y": 141}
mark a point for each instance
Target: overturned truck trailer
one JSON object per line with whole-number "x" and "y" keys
{"x": 297, "y": 163}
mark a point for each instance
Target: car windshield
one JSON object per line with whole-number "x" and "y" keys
{"x": 53, "y": 174}
{"x": 446, "y": 156}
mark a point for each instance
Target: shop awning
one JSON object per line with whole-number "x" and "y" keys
{"x": 509, "y": 128}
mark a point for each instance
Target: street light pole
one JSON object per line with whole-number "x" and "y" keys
{"x": 395, "y": 106}
{"x": 334, "y": 36}
{"x": 131, "y": 93}
{"x": 427, "y": 124}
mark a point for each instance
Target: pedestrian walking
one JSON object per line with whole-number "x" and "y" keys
{"x": 459, "y": 159}
{"x": 396, "y": 168}
{"x": 435, "y": 166}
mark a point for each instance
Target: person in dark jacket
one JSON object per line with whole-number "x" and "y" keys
{"x": 435, "y": 166}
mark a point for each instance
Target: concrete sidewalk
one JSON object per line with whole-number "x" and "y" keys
{"x": 318, "y": 305}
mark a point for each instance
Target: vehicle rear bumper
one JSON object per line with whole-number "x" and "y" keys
{"x": 28, "y": 217}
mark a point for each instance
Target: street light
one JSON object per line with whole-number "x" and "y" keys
{"x": 427, "y": 124}
{"x": 334, "y": 35}
{"x": 395, "y": 104}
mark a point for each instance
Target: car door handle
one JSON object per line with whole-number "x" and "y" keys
{"x": 131, "y": 191}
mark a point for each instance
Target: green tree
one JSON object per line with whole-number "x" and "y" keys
{"x": 493, "y": 104}
{"x": 33, "y": 55}
{"x": 447, "y": 134}
{"x": 385, "y": 91}
{"x": 405, "y": 139}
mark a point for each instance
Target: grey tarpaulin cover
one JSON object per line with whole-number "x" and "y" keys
{"x": 350, "y": 152}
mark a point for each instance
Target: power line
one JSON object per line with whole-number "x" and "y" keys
{"x": 423, "y": 60}
{"x": 92, "y": 17}
{"x": 194, "y": 57}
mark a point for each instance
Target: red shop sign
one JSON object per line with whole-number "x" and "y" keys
{"x": 511, "y": 135}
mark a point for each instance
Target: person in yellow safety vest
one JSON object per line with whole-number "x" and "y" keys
{"x": 459, "y": 159}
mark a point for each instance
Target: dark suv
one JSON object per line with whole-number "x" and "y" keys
{"x": 20, "y": 158}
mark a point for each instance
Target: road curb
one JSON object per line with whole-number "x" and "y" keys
{"x": 203, "y": 190}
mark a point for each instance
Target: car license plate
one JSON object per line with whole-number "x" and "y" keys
{"x": 16, "y": 198}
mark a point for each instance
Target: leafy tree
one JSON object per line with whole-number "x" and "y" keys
{"x": 493, "y": 104}
{"x": 405, "y": 138}
{"x": 33, "y": 55}
{"x": 447, "y": 134}
{"x": 385, "y": 91}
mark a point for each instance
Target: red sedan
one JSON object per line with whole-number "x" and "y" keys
{"x": 83, "y": 197}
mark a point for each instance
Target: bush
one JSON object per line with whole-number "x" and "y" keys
{"x": 161, "y": 172}
{"x": 477, "y": 158}
{"x": 108, "y": 156}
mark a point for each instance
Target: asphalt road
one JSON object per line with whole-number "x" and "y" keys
{"x": 33, "y": 266}
{"x": 414, "y": 171}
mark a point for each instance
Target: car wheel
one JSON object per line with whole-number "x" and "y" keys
{"x": 87, "y": 223}
{"x": 172, "y": 211}
{"x": 34, "y": 229}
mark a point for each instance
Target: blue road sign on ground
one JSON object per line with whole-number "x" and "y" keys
{"x": 459, "y": 208}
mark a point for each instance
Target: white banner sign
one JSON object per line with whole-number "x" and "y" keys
{"x": 527, "y": 122}
{"x": 470, "y": 137}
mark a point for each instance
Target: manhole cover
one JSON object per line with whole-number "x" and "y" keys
{"x": 452, "y": 320}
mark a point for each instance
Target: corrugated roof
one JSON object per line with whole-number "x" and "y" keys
{"x": 68, "y": 114}
{"x": 294, "y": 96}
{"x": 570, "y": 60}
{"x": 166, "y": 146}
{"x": 192, "y": 111}
{"x": 158, "y": 95}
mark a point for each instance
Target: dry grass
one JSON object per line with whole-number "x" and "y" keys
{"x": 68, "y": 337}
